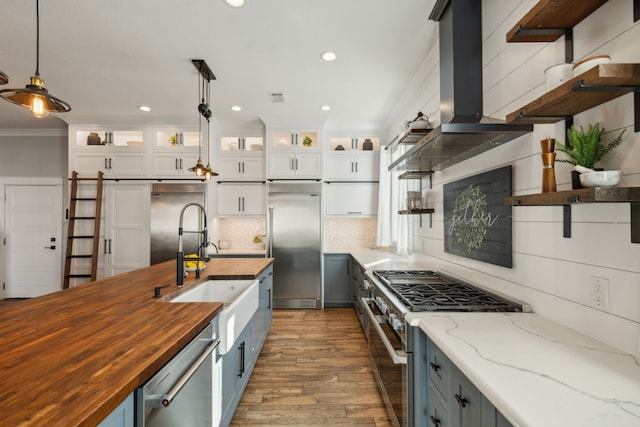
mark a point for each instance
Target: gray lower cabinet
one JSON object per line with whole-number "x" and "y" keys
{"x": 265, "y": 309}
{"x": 337, "y": 286}
{"x": 356, "y": 276}
{"x": 122, "y": 416}
{"x": 238, "y": 363}
{"x": 446, "y": 397}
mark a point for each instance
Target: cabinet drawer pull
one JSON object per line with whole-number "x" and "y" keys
{"x": 461, "y": 400}
{"x": 435, "y": 421}
{"x": 176, "y": 164}
{"x": 434, "y": 366}
{"x": 105, "y": 163}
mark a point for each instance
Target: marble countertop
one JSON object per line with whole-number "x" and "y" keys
{"x": 538, "y": 372}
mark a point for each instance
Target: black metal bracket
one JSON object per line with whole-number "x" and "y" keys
{"x": 568, "y": 46}
{"x": 566, "y": 221}
{"x": 636, "y": 109}
{"x": 204, "y": 69}
{"x": 635, "y": 222}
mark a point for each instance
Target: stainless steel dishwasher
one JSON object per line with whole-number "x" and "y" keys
{"x": 181, "y": 393}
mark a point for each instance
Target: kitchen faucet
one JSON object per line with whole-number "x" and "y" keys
{"x": 180, "y": 273}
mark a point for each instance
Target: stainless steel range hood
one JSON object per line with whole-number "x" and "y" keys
{"x": 464, "y": 131}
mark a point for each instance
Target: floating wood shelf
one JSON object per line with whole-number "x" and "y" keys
{"x": 549, "y": 20}
{"x": 416, "y": 211}
{"x": 415, "y": 174}
{"x": 582, "y": 195}
{"x": 629, "y": 195}
{"x": 596, "y": 86}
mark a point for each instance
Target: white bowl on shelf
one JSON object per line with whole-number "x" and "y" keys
{"x": 588, "y": 63}
{"x": 557, "y": 74}
{"x": 600, "y": 178}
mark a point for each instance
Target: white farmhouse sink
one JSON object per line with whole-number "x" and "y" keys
{"x": 240, "y": 299}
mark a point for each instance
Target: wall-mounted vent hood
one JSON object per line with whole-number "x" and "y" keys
{"x": 464, "y": 131}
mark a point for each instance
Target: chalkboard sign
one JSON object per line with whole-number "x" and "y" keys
{"x": 477, "y": 224}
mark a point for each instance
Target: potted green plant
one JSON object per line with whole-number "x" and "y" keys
{"x": 585, "y": 148}
{"x": 307, "y": 141}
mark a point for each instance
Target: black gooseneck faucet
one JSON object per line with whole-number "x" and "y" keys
{"x": 180, "y": 273}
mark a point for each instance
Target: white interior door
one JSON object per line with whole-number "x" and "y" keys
{"x": 33, "y": 240}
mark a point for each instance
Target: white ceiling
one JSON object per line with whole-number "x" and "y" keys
{"x": 105, "y": 58}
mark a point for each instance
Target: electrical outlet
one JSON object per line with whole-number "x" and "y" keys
{"x": 600, "y": 292}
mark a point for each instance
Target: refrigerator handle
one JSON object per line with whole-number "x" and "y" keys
{"x": 270, "y": 232}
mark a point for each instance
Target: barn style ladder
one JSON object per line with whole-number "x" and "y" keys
{"x": 72, "y": 237}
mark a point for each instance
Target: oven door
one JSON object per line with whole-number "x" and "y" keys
{"x": 389, "y": 363}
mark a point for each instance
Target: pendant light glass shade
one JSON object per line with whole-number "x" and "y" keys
{"x": 4, "y": 79}
{"x": 35, "y": 96}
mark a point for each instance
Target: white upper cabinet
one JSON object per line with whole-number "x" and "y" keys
{"x": 174, "y": 139}
{"x": 116, "y": 151}
{"x": 175, "y": 150}
{"x": 234, "y": 144}
{"x": 352, "y": 158}
{"x": 241, "y": 158}
{"x": 295, "y": 140}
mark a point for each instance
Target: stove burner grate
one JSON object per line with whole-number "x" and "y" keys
{"x": 431, "y": 291}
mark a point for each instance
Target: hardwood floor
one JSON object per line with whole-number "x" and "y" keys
{"x": 313, "y": 370}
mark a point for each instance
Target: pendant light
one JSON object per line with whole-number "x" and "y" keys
{"x": 205, "y": 74}
{"x": 209, "y": 172}
{"x": 35, "y": 96}
{"x": 4, "y": 79}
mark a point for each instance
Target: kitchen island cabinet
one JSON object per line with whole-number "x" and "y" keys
{"x": 73, "y": 356}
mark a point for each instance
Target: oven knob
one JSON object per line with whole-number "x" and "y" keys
{"x": 396, "y": 322}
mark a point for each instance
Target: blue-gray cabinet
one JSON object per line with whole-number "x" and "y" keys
{"x": 265, "y": 309}
{"x": 238, "y": 363}
{"x": 442, "y": 395}
{"x": 337, "y": 286}
{"x": 122, "y": 416}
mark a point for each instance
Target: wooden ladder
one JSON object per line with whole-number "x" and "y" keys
{"x": 71, "y": 233}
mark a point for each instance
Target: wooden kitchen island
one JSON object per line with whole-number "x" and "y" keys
{"x": 70, "y": 357}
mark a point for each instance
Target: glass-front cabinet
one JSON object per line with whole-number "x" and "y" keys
{"x": 175, "y": 138}
{"x": 101, "y": 137}
{"x": 116, "y": 151}
{"x": 353, "y": 158}
{"x": 352, "y": 144}
{"x": 287, "y": 140}
{"x": 241, "y": 157}
{"x": 230, "y": 144}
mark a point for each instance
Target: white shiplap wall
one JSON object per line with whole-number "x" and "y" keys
{"x": 550, "y": 273}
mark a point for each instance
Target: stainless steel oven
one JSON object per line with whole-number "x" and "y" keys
{"x": 387, "y": 354}
{"x": 393, "y": 294}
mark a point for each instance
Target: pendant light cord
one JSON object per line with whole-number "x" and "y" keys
{"x": 37, "y": 38}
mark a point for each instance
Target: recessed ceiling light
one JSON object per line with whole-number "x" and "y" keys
{"x": 235, "y": 3}
{"x": 325, "y": 108}
{"x": 236, "y": 108}
{"x": 328, "y": 56}
{"x": 144, "y": 108}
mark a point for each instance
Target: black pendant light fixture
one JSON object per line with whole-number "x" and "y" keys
{"x": 205, "y": 75}
{"x": 4, "y": 79}
{"x": 35, "y": 96}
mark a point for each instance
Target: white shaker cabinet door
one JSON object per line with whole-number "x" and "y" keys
{"x": 352, "y": 199}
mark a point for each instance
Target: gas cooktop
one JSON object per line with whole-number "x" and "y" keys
{"x": 425, "y": 290}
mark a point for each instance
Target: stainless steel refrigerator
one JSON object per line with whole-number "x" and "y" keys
{"x": 294, "y": 238}
{"x": 167, "y": 200}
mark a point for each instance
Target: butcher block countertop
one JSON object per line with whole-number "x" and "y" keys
{"x": 70, "y": 357}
